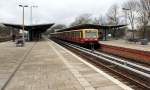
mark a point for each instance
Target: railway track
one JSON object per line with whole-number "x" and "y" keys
{"x": 142, "y": 62}
{"x": 126, "y": 59}
{"x": 136, "y": 76}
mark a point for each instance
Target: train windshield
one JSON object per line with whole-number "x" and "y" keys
{"x": 90, "y": 34}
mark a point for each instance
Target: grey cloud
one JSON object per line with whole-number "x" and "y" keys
{"x": 57, "y": 11}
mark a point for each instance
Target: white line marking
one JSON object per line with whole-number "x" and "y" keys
{"x": 82, "y": 80}
{"x": 125, "y": 87}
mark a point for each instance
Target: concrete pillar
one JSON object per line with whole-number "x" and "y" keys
{"x": 105, "y": 34}
{"x": 30, "y": 35}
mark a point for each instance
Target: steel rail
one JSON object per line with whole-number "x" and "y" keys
{"x": 135, "y": 79}
{"x": 88, "y": 51}
{"x": 127, "y": 63}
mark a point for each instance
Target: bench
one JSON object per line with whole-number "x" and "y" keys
{"x": 141, "y": 41}
{"x": 19, "y": 42}
{"x": 133, "y": 40}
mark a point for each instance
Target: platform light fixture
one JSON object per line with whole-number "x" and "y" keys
{"x": 126, "y": 9}
{"x": 23, "y": 38}
{"x": 31, "y": 12}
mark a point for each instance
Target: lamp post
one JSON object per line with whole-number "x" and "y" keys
{"x": 23, "y": 6}
{"x": 31, "y": 21}
{"x": 126, "y": 18}
{"x": 126, "y": 9}
{"x": 31, "y": 7}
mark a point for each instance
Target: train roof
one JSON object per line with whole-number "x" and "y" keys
{"x": 91, "y": 26}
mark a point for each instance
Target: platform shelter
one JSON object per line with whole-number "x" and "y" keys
{"x": 34, "y": 31}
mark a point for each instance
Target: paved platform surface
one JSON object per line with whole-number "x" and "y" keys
{"x": 45, "y": 65}
{"x": 126, "y": 44}
{"x": 10, "y": 58}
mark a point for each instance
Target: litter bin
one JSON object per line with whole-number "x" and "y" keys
{"x": 144, "y": 41}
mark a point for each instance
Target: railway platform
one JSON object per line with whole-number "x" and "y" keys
{"x": 127, "y": 44}
{"x": 45, "y": 65}
{"x": 135, "y": 51}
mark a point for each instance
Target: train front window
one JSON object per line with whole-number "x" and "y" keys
{"x": 90, "y": 34}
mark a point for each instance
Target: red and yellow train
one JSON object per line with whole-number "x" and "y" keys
{"x": 80, "y": 36}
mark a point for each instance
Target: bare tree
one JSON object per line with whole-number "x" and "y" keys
{"x": 143, "y": 11}
{"x": 113, "y": 18}
{"x": 100, "y": 20}
{"x": 96, "y": 21}
{"x": 7, "y": 31}
{"x": 131, "y": 6}
{"x": 113, "y": 15}
{"x": 82, "y": 19}
{"x": 56, "y": 28}
{"x": 146, "y": 6}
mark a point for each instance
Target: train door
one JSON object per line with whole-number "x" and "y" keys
{"x": 78, "y": 36}
{"x": 82, "y": 36}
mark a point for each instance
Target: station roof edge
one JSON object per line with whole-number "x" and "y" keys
{"x": 91, "y": 26}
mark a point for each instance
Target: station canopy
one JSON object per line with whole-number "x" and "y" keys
{"x": 34, "y": 31}
{"x": 91, "y": 26}
{"x": 39, "y": 27}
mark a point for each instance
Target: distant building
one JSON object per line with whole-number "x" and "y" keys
{"x": 6, "y": 32}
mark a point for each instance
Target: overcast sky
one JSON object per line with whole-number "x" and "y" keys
{"x": 52, "y": 11}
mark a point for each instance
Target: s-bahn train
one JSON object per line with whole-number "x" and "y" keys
{"x": 80, "y": 36}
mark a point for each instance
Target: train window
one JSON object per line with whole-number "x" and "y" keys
{"x": 78, "y": 34}
{"x": 81, "y": 34}
{"x": 74, "y": 33}
{"x": 90, "y": 34}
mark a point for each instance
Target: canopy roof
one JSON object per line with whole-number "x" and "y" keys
{"x": 41, "y": 27}
{"x": 91, "y": 26}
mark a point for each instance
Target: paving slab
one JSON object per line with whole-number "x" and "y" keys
{"x": 10, "y": 57}
{"x": 87, "y": 76}
{"x": 49, "y": 66}
{"x": 43, "y": 70}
